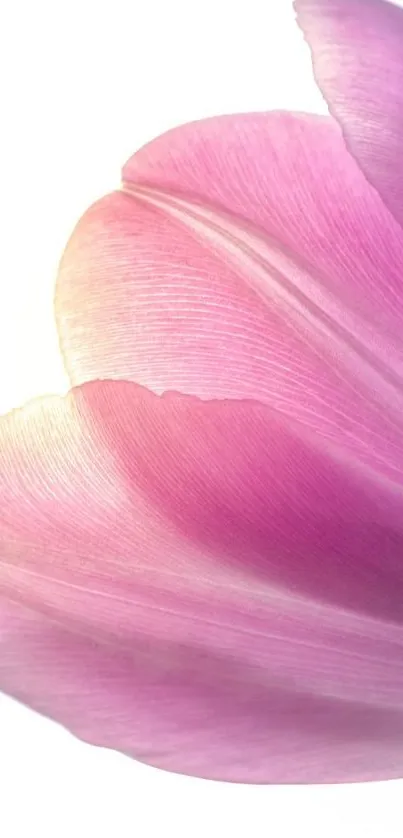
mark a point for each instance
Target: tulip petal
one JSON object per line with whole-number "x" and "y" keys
{"x": 293, "y": 298}
{"x": 135, "y": 276}
{"x": 358, "y": 63}
{"x": 167, "y": 591}
{"x": 142, "y": 268}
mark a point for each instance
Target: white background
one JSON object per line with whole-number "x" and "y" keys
{"x": 84, "y": 85}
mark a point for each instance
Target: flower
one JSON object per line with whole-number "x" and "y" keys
{"x": 202, "y": 543}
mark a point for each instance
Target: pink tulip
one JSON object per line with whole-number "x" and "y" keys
{"x": 202, "y": 544}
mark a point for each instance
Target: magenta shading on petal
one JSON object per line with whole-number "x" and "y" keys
{"x": 358, "y": 63}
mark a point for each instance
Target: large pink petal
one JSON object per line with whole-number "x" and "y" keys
{"x": 300, "y": 309}
{"x": 192, "y": 583}
{"x": 140, "y": 271}
{"x": 358, "y": 62}
{"x": 247, "y": 258}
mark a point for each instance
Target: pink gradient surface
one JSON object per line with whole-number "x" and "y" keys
{"x": 202, "y": 544}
